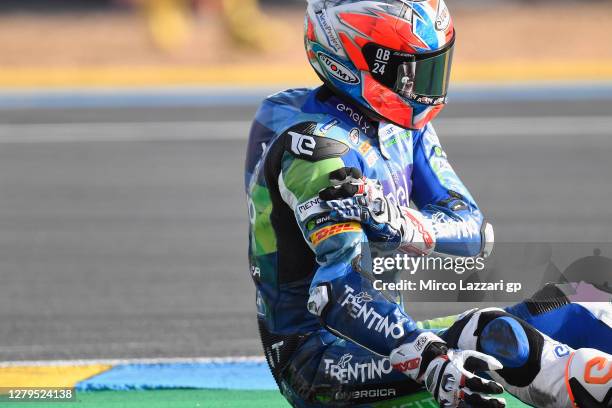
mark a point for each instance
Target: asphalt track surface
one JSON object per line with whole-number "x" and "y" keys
{"x": 123, "y": 231}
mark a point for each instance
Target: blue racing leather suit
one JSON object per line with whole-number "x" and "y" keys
{"x": 326, "y": 331}
{"x": 299, "y": 256}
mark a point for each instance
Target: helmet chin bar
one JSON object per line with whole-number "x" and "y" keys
{"x": 375, "y": 116}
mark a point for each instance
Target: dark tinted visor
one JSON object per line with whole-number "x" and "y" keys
{"x": 423, "y": 78}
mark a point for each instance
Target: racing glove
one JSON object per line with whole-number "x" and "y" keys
{"x": 353, "y": 197}
{"x": 449, "y": 374}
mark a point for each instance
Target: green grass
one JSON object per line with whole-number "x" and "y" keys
{"x": 199, "y": 399}
{"x": 165, "y": 398}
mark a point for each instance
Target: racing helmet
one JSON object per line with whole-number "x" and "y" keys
{"x": 390, "y": 57}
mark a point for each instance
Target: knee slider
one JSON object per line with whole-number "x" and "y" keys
{"x": 511, "y": 340}
{"x": 515, "y": 343}
{"x": 505, "y": 339}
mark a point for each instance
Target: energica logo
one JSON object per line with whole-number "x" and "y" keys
{"x": 337, "y": 70}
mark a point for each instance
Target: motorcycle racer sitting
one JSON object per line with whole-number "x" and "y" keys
{"x": 330, "y": 338}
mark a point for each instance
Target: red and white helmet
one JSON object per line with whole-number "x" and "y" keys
{"x": 391, "y": 57}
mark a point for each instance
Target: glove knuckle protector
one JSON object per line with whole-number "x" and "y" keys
{"x": 413, "y": 358}
{"x": 445, "y": 373}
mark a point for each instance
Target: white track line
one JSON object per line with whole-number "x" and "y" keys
{"x": 146, "y": 361}
{"x": 238, "y": 130}
{"x": 124, "y": 132}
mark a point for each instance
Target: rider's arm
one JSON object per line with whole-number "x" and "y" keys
{"x": 441, "y": 196}
{"x": 345, "y": 301}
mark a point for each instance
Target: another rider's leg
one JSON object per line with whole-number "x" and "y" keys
{"x": 568, "y": 313}
{"x": 537, "y": 369}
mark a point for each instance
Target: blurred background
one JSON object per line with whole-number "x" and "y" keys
{"x": 123, "y": 228}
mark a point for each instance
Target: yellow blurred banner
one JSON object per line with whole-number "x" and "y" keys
{"x": 266, "y": 75}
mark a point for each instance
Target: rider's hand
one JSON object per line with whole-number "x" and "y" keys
{"x": 449, "y": 374}
{"x": 353, "y": 197}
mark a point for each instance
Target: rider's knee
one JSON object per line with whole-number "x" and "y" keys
{"x": 493, "y": 331}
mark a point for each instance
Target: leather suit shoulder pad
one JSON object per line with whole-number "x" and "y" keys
{"x": 302, "y": 143}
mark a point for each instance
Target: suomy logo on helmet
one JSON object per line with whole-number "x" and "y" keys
{"x": 337, "y": 70}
